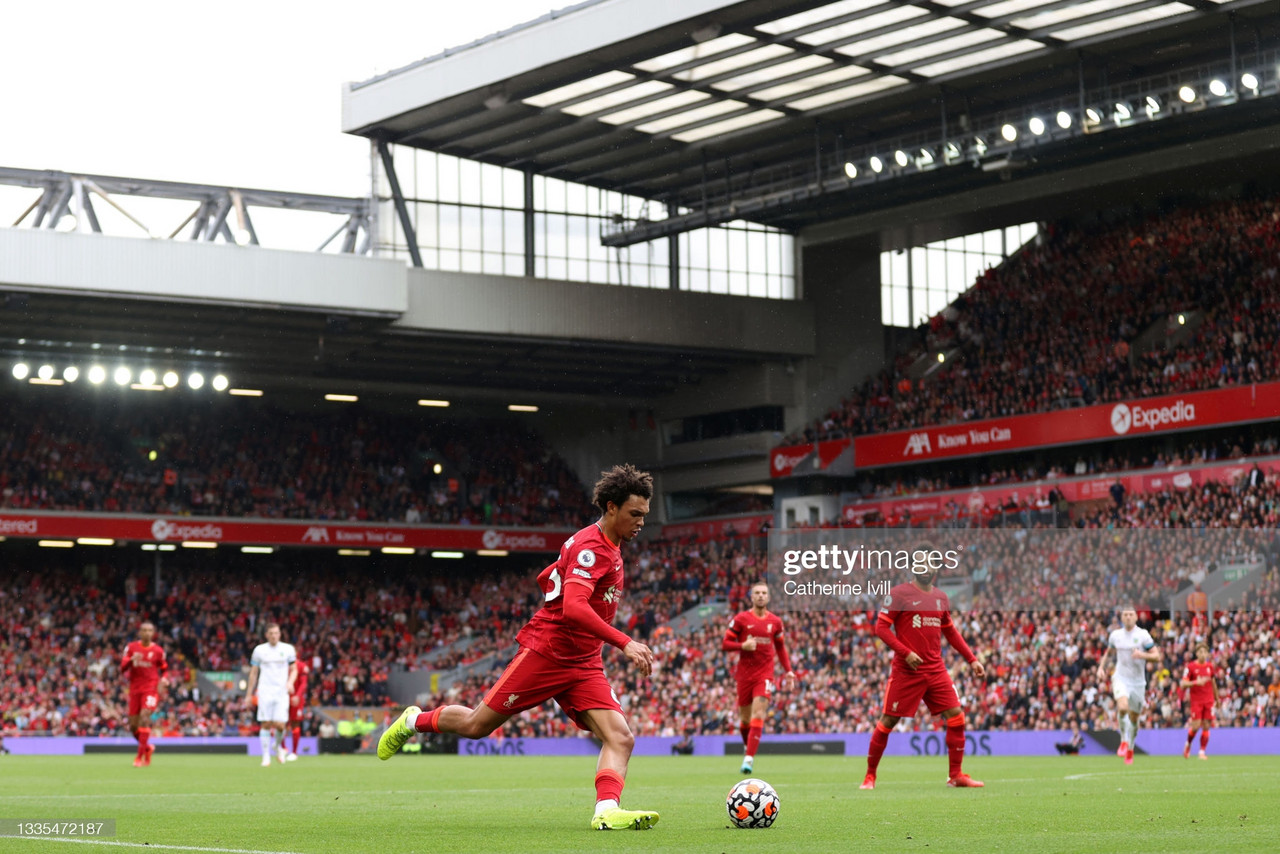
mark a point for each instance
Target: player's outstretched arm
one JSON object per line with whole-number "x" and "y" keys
{"x": 579, "y": 614}
{"x": 639, "y": 655}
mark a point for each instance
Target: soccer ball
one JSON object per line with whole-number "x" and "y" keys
{"x": 752, "y": 803}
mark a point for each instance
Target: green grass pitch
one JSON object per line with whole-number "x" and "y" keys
{"x": 532, "y": 804}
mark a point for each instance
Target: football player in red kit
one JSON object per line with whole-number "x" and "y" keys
{"x": 144, "y": 664}
{"x": 1199, "y": 677}
{"x": 756, "y": 634}
{"x": 297, "y": 705}
{"x": 559, "y": 656}
{"x": 914, "y": 619}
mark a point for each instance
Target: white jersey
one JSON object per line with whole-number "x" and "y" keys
{"x": 273, "y": 668}
{"x": 1129, "y": 670}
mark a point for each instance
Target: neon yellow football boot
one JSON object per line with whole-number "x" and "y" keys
{"x": 398, "y": 733}
{"x": 617, "y": 818}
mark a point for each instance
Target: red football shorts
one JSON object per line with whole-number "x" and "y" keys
{"x": 748, "y": 690}
{"x": 532, "y": 679}
{"x": 295, "y": 711}
{"x": 907, "y": 688}
{"x": 1202, "y": 711}
{"x": 140, "y": 702}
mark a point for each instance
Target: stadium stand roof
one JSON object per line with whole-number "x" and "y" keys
{"x": 698, "y": 101}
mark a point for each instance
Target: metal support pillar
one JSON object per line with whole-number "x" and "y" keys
{"x": 402, "y": 210}
{"x": 530, "y": 233}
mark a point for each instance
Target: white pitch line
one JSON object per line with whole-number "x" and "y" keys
{"x": 147, "y": 845}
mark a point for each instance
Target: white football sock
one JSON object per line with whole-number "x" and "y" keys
{"x": 606, "y": 804}
{"x": 264, "y": 739}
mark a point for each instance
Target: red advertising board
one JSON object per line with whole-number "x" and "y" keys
{"x": 159, "y": 529}
{"x": 1193, "y": 410}
{"x": 704, "y": 530}
{"x": 990, "y": 498}
{"x": 808, "y": 458}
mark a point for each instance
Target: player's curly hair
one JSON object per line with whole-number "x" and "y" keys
{"x": 620, "y": 483}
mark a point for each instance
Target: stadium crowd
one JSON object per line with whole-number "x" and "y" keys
{"x": 62, "y": 627}
{"x": 239, "y": 458}
{"x": 1057, "y": 325}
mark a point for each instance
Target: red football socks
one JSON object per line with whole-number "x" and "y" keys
{"x": 879, "y": 741}
{"x": 297, "y": 736}
{"x": 144, "y": 738}
{"x": 744, "y": 729}
{"x": 955, "y": 744}
{"x": 1191, "y": 736}
{"x": 428, "y": 721}
{"x": 609, "y": 785}
{"x": 753, "y": 735}
{"x": 1204, "y": 738}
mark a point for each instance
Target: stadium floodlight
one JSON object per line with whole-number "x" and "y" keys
{"x": 199, "y": 544}
{"x": 196, "y": 380}
{"x": 1187, "y": 94}
{"x": 354, "y": 552}
{"x": 1036, "y": 125}
{"x": 1123, "y": 111}
{"x": 245, "y": 392}
{"x": 951, "y": 152}
{"x": 1064, "y": 119}
{"x": 1092, "y": 116}
{"x": 900, "y": 157}
{"x": 170, "y": 379}
{"x": 441, "y": 404}
{"x": 1249, "y": 81}
{"x": 492, "y": 552}
{"x": 1153, "y": 105}
{"x": 70, "y": 373}
{"x": 1182, "y": 319}
{"x": 147, "y": 377}
{"x": 1009, "y": 132}
{"x": 979, "y": 145}
{"x": 448, "y": 555}
{"x": 850, "y": 169}
{"x": 942, "y": 357}
{"x": 148, "y": 547}
{"x": 95, "y": 541}
{"x": 167, "y": 547}
{"x": 21, "y": 371}
{"x": 877, "y": 165}
{"x": 398, "y": 550}
{"x": 220, "y": 383}
{"x": 342, "y": 398}
{"x": 521, "y": 407}
{"x": 257, "y": 550}
{"x": 55, "y": 544}
{"x": 122, "y": 376}
{"x": 45, "y": 372}
{"x": 97, "y": 374}
{"x": 1217, "y": 88}
{"x": 926, "y": 157}
{"x": 437, "y": 469}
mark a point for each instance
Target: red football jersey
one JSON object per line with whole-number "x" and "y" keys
{"x": 300, "y": 682}
{"x": 144, "y": 666}
{"x": 1200, "y": 694}
{"x": 585, "y": 558}
{"x": 919, "y": 619}
{"x": 767, "y": 630}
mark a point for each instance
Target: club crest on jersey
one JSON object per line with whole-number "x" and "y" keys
{"x": 613, "y": 594}
{"x": 888, "y": 600}
{"x": 587, "y": 558}
{"x": 577, "y": 570}
{"x": 511, "y": 701}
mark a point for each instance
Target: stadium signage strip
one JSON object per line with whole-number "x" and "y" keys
{"x": 151, "y": 529}
{"x": 717, "y": 529}
{"x": 988, "y": 500}
{"x": 1167, "y": 413}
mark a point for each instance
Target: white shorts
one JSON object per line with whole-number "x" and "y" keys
{"x": 274, "y": 708}
{"x": 1135, "y": 694}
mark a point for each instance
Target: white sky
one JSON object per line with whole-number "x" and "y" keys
{"x": 233, "y": 92}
